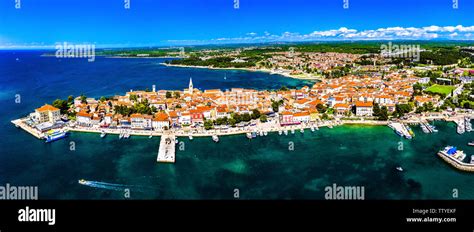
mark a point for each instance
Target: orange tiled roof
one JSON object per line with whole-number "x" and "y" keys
{"x": 363, "y": 104}
{"x": 47, "y": 107}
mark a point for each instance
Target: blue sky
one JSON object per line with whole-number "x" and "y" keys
{"x": 181, "y": 22}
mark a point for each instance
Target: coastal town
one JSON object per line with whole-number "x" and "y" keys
{"x": 382, "y": 95}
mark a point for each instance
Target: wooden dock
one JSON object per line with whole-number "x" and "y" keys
{"x": 167, "y": 149}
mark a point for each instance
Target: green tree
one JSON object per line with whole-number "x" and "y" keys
{"x": 61, "y": 105}
{"x": 83, "y": 99}
{"x": 263, "y": 118}
{"x": 133, "y": 97}
{"x": 208, "y": 124}
{"x": 232, "y": 122}
{"x": 255, "y": 114}
{"x": 376, "y": 110}
{"x": 321, "y": 108}
{"x": 168, "y": 94}
{"x": 325, "y": 117}
{"x": 70, "y": 99}
{"x": 246, "y": 117}
{"x": 383, "y": 115}
{"x": 237, "y": 117}
{"x": 283, "y": 88}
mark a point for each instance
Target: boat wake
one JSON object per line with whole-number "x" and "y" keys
{"x": 110, "y": 186}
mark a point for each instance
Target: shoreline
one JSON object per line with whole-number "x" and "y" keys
{"x": 204, "y": 133}
{"x": 245, "y": 69}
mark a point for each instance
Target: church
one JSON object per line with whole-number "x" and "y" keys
{"x": 190, "y": 88}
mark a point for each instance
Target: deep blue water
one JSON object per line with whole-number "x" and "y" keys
{"x": 263, "y": 168}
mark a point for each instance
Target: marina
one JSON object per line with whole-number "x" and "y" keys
{"x": 400, "y": 129}
{"x": 455, "y": 158}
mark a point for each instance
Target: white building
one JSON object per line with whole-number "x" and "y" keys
{"x": 364, "y": 108}
{"x": 47, "y": 113}
{"x": 160, "y": 121}
{"x": 83, "y": 119}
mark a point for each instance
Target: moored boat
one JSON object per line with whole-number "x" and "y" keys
{"x": 249, "y": 135}
{"x": 52, "y": 136}
{"x": 215, "y": 138}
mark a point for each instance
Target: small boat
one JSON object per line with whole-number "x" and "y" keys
{"x": 316, "y": 127}
{"x": 249, "y": 135}
{"x": 302, "y": 130}
{"x": 471, "y": 143}
{"x": 330, "y": 126}
{"x": 472, "y": 159}
{"x": 265, "y": 133}
{"x": 103, "y": 134}
{"x": 151, "y": 136}
{"x": 121, "y": 136}
{"x": 260, "y": 133}
{"x": 215, "y": 138}
{"x": 285, "y": 132}
{"x": 254, "y": 134}
{"x": 433, "y": 128}
{"x": 400, "y": 169}
{"x": 312, "y": 129}
{"x": 82, "y": 181}
{"x": 292, "y": 131}
{"x": 280, "y": 132}
{"x": 190, "y": 137}
{"x": 176, "y": 141}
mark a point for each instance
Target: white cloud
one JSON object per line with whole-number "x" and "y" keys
{"x": 343, "y": 33}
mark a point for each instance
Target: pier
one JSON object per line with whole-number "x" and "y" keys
{"x": 167, "y": 149}
{"x": 21, "y": 124}
{"x": 400, "y": 129}
{"x": 456, "y": 163}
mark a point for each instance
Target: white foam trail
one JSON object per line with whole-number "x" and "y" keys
{"x": 112, "y": 186}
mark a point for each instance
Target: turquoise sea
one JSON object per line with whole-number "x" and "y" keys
{"x": 262, "y": 168}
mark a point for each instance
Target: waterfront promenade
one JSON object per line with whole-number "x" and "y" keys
{"x": 273, "y": 126}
